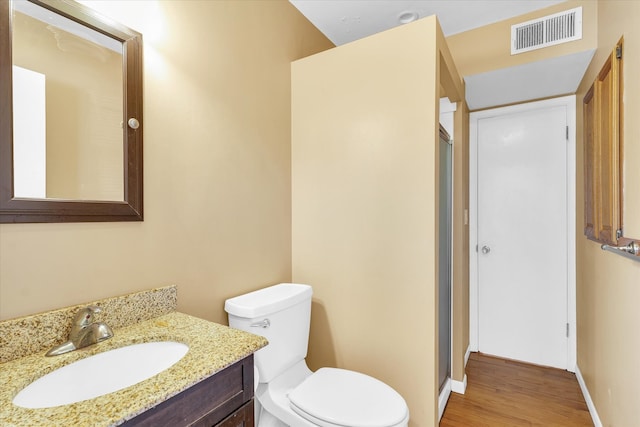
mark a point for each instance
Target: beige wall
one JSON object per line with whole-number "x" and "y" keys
{"x": 364, "y": 174}
{"x": 217, "y": 168}
{"x": 460, "y": 342}
{"x": 608, "y": 285}
{"x": 488, "y": 48}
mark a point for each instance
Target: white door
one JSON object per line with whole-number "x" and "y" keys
{"x": 522, "y": 258}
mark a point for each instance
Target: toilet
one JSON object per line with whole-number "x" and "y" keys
{"x": 288, "y": 393}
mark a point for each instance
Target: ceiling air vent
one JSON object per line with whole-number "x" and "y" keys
{"x": 547, "y": 31}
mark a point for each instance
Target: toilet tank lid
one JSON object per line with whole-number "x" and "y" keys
{"x": 267, "y": 300}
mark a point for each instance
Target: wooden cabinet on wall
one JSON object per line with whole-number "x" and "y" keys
{"x": 603, "y": 152}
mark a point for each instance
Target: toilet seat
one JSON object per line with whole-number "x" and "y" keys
{"x": 333, "y": 397}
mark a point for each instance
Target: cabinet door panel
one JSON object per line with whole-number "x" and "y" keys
{"x": 243, "y": 417}
{"x": 602, "y": 115}
{"x": 609, "y": 218}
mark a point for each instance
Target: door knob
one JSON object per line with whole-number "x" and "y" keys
{"x": 486, "y": 249}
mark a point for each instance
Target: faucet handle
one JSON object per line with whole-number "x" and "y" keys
{"x": 84, "y": 316}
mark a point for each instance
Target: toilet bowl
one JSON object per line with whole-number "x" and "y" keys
{"x": 337, "y": 397}
{"x": 289, "y": 393}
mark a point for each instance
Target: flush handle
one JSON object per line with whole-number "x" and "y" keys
{"x": 263, "y": 324}
{"x": 486, "y": 249}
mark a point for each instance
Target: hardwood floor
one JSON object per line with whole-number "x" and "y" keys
{"x": 507, "y": 393}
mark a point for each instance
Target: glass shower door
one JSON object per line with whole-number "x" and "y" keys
{"x": 444, "y": 267}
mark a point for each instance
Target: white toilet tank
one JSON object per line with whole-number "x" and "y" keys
{"x": 280, "y": 313}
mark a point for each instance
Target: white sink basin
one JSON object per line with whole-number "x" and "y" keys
{"x": 101, "y": 374}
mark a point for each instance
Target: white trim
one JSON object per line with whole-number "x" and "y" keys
{"x": 473, "y": 232}
{"x": 570, "y": 103}
{"x": 447, "y": 106}
{"x": 444, "y": 398}
{"x": 587, "y": 399}
{"x": 459, "y": 386}
{"x": 572, "y": 350}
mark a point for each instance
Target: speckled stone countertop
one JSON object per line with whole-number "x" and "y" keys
{"x": 212, "y": 347}
{"x": 18, "y": 337}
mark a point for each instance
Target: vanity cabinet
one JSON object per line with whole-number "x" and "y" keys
{"x": 243, "y": 417}
{"x": 225, "y": 399}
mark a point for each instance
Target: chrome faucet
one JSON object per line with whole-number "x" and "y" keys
{"x": 84, "y": 332}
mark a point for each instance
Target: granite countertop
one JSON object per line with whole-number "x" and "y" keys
{"x": 212, "y": 347}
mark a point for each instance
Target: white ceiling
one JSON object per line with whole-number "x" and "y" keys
{"x": 541, "y": 79}
{"x": 343, "y": 21}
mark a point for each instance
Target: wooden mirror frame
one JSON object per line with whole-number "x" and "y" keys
{"x": 25, "y": 210}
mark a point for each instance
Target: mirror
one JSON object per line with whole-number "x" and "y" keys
{"x": 70, "y": 115}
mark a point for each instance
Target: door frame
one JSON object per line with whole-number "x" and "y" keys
{"x": 570, "y": 103}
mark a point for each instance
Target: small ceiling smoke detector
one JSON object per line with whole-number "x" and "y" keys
{"x": 406, "y": 17}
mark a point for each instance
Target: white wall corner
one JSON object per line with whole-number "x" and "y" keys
{"x": 587, "y": 398}
{"x": 459, "y": 386}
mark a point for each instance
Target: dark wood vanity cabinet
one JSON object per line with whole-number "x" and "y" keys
{"x": 243, "y": 417}
{"x": 222, "y": 400}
